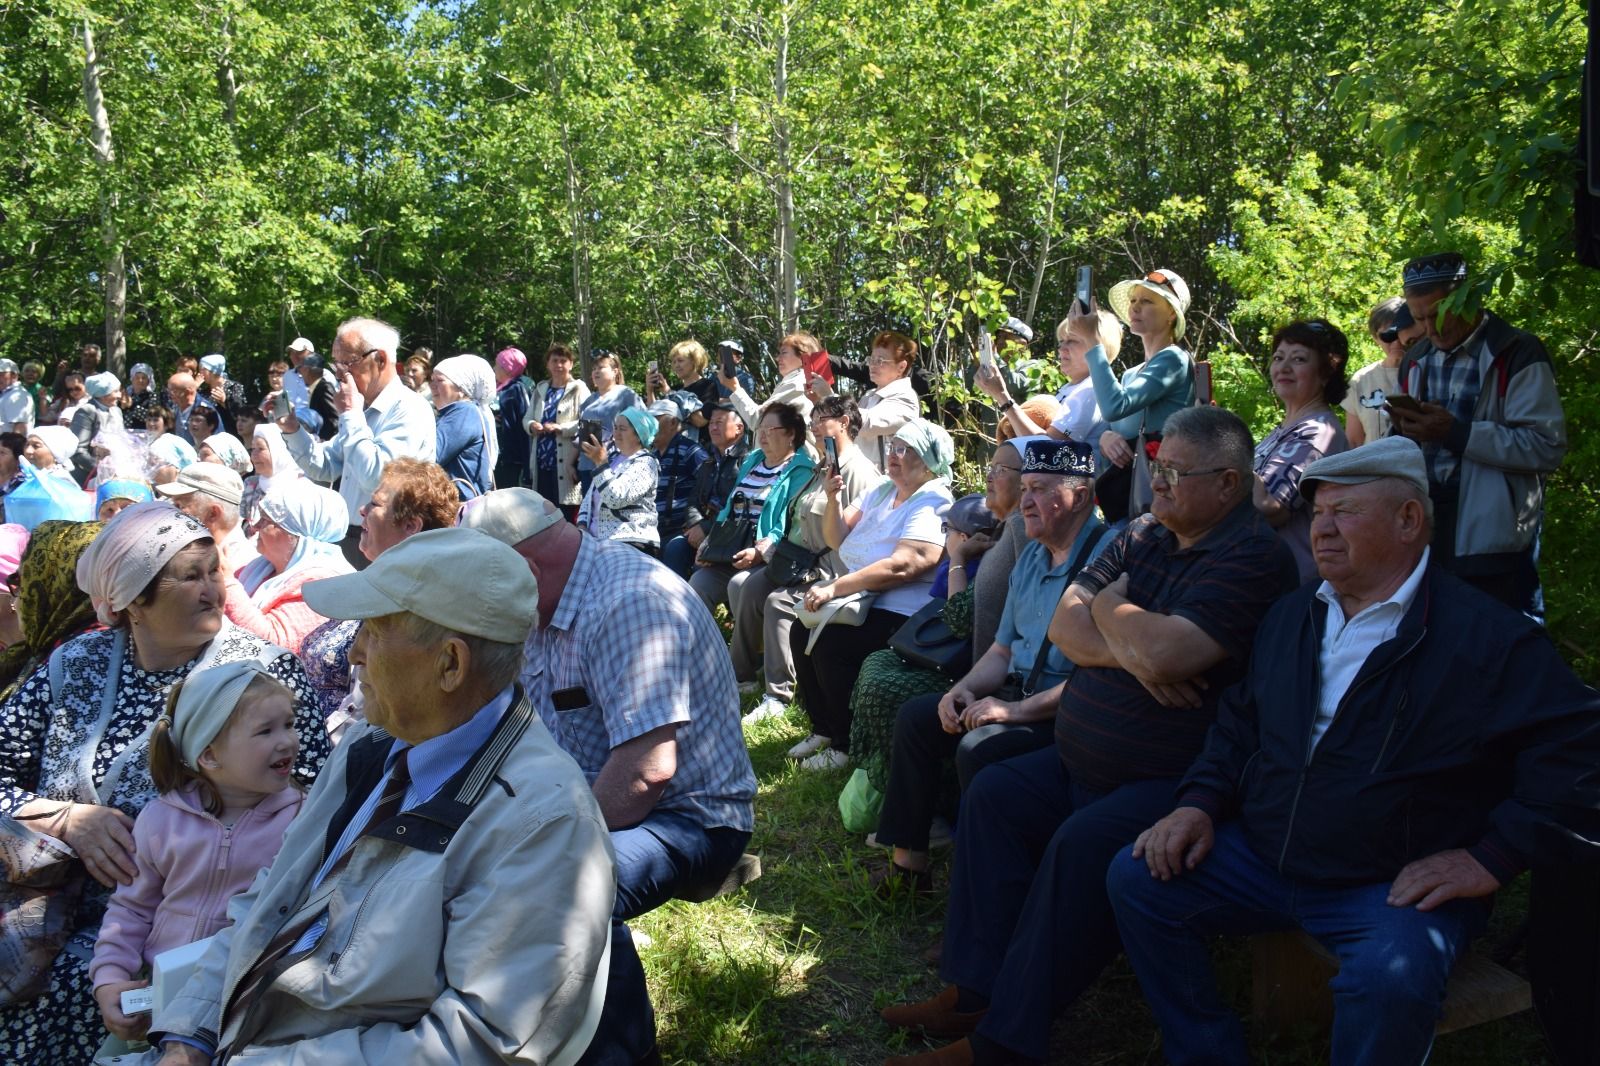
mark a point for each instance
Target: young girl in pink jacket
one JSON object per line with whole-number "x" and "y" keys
{"x": 221, "y": 756}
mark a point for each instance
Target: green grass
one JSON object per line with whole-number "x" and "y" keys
{"x": 793, "y": 968}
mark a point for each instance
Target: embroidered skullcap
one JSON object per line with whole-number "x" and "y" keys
{"x": 1438, "y": 270}
{"x": 130, "y": 551}
{"x": 931, "y": 443}
{"x": 1069, "y": 458}
{"x": 206, "y": 700}
{"x": 102, "y": 384}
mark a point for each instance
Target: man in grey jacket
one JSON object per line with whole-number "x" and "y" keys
{"x": 445, "y": 895}
{"x": 1480, "y": 398}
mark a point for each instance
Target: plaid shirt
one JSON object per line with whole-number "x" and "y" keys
{"x": 633, "y": 648}
{"x": 1451, "y": 380}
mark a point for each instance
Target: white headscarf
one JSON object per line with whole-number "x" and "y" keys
{"x": 318, "y": 517}
{"x": 284, "y": 468}
{"x": 61, "y": 441}
{"x": 206, "y": 701}
{"x": 474, "y": 376}
{"x": 230, "y": 451}
{"x": 130, "y": 551}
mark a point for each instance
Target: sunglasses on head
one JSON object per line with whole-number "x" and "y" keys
{"x": 1159, "y": 277}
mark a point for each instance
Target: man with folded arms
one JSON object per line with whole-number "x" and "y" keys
{"x": 1158, "y": 625}
{"x": 1401, "y": 747}
{"x": 445, "y": 893}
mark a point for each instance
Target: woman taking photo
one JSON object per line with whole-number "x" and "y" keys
{"x": 72, "y": 757}
{"x": 464, "y": 437}
{"x": 889, "y": 545}
{"x": 1153, "y": 307}
{"x": 791, "y": 387}
{"x": 891, "y": 403}
{"x": 772, "y": 477}
{"x": 609, "y": 399}
{"x": 688, "y": 360}
{"x": 298, "y": 534}
{"x": 553, "y": 425}
{"x": 621, "y": 501}
{"x": 1308, "y": 379}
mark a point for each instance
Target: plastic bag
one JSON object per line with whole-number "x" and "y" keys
{"x": 42, "y": 497}
{"x": 860, "y": 803}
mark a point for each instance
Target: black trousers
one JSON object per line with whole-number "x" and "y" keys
{"x": 922, "y": 750}
{"x": 828, "y": 675}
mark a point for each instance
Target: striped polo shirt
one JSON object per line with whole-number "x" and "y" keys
{"x": 1109, "y": 729}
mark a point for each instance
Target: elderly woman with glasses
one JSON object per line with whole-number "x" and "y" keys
{"x": 1307, "y": 373}
{"x": 889, "y": 544}
{"x": 621, "y": 501}
{"x": 1139, "y": 403}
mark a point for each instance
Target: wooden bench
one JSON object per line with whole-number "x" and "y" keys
{"x": 1290, "y": 974}
{"x": 747, "y": 869}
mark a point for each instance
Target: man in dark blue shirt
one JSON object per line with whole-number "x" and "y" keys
{"x": 679, "y": 459}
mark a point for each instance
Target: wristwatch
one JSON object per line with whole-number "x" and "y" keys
{"x": 1008, "y": 405}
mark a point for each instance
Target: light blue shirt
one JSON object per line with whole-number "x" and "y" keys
{"x": 432, "y": 763}
{"x": 1035, "y": 589}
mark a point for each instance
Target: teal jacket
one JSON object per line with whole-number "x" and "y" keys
{"x": 1146, "y": 394}
{"x": 791, "y": 483}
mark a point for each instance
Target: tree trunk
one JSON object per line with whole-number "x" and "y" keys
{"x": 580, "y": 254}
{"x": 227, "y": 87}
{"x": 114, "y": 274}
{"x": 788, "y": 286}
{"x": 1047, "y": 238}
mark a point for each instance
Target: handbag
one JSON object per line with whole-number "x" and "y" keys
{"x": 792, "y": 564}
{"x": 731, "y": 535}
{"x": 43, "y": 880}
{"x": 926, "y": 640}
{"x": 1141, "y": 489}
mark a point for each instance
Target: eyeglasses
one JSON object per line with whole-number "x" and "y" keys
{"x": 1172, "y": 475}
{"x": 996, "y": 469}
{"x": 887, "y": 360}
{"x": 346, "y": 364}
{"x": 899, "y": 447}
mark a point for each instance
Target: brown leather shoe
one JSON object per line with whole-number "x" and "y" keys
{"x": 936, "y": 1017}
{"x": 892, "y": 879}
{"x": 957, "y": 1054}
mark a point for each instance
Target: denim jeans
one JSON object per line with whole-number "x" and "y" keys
{"x": 1394, "y": 962}
{"x": 670, "y": 854}
{"x": 1028, "y": 925}
{"x": 679, "y": 557}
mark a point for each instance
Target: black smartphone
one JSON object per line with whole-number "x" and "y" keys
{"x": 1085, "y": 294}
{"x": 589, "y": 431}
{"x": 728, "y": 365}
{"x": 830, "y": 448}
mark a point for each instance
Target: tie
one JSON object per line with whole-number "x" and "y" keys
{"x": 263, "y": 971}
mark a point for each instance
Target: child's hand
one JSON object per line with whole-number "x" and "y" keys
{"x": 109, "y": 998}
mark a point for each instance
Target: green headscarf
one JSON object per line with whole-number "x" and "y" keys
{"x": 931, "y": 443}
{"x": 50, "y": 605}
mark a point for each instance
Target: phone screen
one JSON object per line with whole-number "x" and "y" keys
{"x": 831, "y": 449}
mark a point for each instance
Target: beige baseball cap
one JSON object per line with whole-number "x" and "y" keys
{"x": 460, "y": 579}
{"x": 213, "y": 479}
{"x": 510, "y": 516}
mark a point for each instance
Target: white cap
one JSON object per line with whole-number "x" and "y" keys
{"x": 510, "y": 516}
{"x": 213, "y": 479}
{"x": 456, "y": 578}
{"x": 300, "y": 344}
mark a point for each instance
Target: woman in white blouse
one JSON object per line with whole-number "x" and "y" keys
{"x": 891, "y": 403}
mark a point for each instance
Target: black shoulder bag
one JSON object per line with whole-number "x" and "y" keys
{"x": 731, "y": 535}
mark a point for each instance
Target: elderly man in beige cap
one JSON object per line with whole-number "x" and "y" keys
{"x": 1402, "y": 746}
{"x": 445, "y": 894}
{"x": 210, "y": 494}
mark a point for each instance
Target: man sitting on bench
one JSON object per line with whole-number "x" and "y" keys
{"x": 1401, "y": 747}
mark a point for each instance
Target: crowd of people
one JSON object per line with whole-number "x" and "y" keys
{"x": 412, "y": 703}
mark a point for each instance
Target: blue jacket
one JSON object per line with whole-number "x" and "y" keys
{"x": 1466, "y": 730}
{"x": 460, "y": 448}
{"x": 511, "y": 412}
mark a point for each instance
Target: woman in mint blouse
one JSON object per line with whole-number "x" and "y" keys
{"x": 1153, "y": 307}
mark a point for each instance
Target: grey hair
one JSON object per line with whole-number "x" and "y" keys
{"x": 374, "y": 333}
{"x": 1219, "y": 433}
{"x": 493, "y": 663}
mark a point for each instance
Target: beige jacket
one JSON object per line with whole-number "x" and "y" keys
{"x": 566, "y": 440}
{"x": 468, "y": 929}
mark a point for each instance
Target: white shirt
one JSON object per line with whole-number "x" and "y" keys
{"x": 1079, "y": 412}
{"x": 882, "y": 526}
{"x": 397, "y": 422}
{"x": 1346, "y": 643}
{"x": 16, "y": 406}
